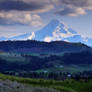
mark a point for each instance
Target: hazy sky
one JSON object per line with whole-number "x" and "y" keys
{"x": 23, "y": 16}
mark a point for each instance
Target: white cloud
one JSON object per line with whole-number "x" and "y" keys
{"x": 36, "y": 21}
{"x": 87, "y": 4}
{"x": 33, "y": 6}
{"x": 73, "y": 7}
{"x": 78, "y": 11}
{"x": 24, "y": 18}
{"x": 71, "y": 11}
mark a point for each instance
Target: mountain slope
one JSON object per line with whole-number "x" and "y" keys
{"x": 56, "y": 31}
{"x": 53, "y": 31}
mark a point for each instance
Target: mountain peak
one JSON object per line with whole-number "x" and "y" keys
{"x": 55, "y": 21}
{"x": 55, "y": 30}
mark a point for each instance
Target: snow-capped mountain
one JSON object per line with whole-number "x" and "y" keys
{"x": 55, "y": 30}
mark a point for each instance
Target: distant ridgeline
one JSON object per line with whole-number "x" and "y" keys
{"x": 31, "y": 46}
{"x": 58, "y": 56}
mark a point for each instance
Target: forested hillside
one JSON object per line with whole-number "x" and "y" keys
{"x": 28, "y": 47}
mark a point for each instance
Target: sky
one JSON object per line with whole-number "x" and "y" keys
{"x": 23, "y": 16}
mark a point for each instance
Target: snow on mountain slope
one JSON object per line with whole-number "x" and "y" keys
{"x": 88, "y": 41}
{"x": 19, "y": 37}
{"x": 54, "y": 31}
{"x": 57, "y": 30}
{"x": 3, "y": 38}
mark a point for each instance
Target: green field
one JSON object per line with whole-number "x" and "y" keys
{"x": 68, "y": 85}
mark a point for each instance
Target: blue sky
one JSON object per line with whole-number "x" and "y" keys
{"x": 23, "y": 16}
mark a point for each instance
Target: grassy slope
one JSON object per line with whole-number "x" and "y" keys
{"x": 13, "y": 86}
{"x": 63, "y": 86}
